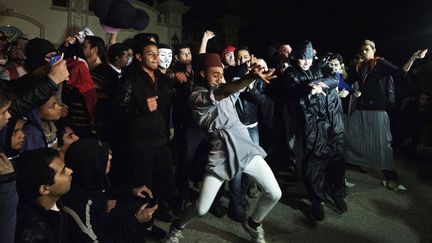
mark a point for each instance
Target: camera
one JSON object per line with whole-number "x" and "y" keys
{"x": 151, "y": 202}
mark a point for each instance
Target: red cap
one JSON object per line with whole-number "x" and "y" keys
{"x": 226, "y": 50}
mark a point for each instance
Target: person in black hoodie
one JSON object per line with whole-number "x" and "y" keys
{"x": 42, "y": 180}
{"x": 98, "y": 211}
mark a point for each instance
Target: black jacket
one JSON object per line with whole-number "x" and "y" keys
{"x": 36, "y": 224}
{"x": 317, "y": 118}
{"x": 149, "y": 128}
{"x": 376, "y": 81}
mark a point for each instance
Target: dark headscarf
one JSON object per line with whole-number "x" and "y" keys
{"x": 6, "y": 137}
{"x": 88, "y": 160}
{"x": 303, "y": 51}
{"x": 36, "y": 49}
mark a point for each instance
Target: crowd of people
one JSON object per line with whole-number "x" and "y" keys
{"x": 98, "y": 139}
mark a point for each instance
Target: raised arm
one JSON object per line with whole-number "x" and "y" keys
{"x": 228, "y": 89}
{"x": 206, "y": 37}
{"x": 420, "y": 54}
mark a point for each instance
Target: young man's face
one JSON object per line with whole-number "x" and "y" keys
{"x": 18, "y": 136}
{"x": 88, "y": 51}
{"x": 367, "y": 52}
{"x": 149, "y": 58}
{"x": 284, "y": 51}
{"x": 69, "y": 137}
{"x": 215, "y": 76}
{"x": 243, "y": 56}
{"x": 122, "y": 60}
{"x": 185, "y": 56}
{"x": 304, "y": 64}
{"x": 51, "y": 110}
{"x": 62, "y": 178}
{"x": 229, "y": 59}
{"x": 4, "y": 115}
{"x": 165, "y": 57}
{"x": 335, "y": 65}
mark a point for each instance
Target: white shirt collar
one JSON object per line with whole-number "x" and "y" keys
{"x": 115, "y": 68}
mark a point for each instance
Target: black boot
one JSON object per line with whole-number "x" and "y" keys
{"x": 318, "y": 211}
{"x": 340, "y": 203}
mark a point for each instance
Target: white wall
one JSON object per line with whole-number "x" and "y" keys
{"x": 55, "y": 20}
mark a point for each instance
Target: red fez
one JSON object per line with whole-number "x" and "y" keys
{"x": 226, "y": 50}
{"x": 212, "y": 60}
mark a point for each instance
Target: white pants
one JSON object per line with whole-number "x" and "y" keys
{"x": 257, "y": 169}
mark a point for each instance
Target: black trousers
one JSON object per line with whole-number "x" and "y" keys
{"x": 152, "y": 166}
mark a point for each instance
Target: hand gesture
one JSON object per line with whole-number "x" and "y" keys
{"x": 317, "y": 88}
{"x": 110, "y": 205}
{"x": 181, "y": 77}
{"x": 138, "y": 191}
{"x": 256, "y": 69}
{"x": 420, "y": 54}
{"x": 208, "y": 35}
{"x": 152, "y": 103}
{"x": 145, "y": 214}
{"x": 343, "y": 93}
{"x": 58, "y": 71}
{"x": 70, "y": 40}
{"x": 5, "y": 165}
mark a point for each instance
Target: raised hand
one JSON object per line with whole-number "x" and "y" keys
{"x": 58, "y": 71}
{"x": 420, "y": 54}
{"x": 208, "y": 35}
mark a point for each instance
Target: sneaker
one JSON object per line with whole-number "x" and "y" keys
{"x": 340, "y": 204}
{"x": 392, "y": 185}
{"x": 318, "y": 211}
{"x": 349, "y": 184}
{"x": 155, "y": 233}
{"x": 173, "y": 236}
{"x": 253, "y": 191}
{"x": 257, "y": 236}
{"x": 217, "y": 209}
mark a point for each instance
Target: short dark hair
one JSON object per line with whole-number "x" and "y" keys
{"x": 96, "y": 41}
{"x": 146, "y": 36}
{"x": 33, "y": 171}
{"x": 182, "y": 46}
{"x": 241, "y": 48}
{"x": 6, "y": 94}
{"x": 140, "y": 44}
{"x": 337, "y": 57}
{"x": 115, "y": 51}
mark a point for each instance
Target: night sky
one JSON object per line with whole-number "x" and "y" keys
{"x": 397, "y": 27}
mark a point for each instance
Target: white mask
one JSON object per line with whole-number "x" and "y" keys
{"x": 129, "y": 61}
{"x": 165, "y": 57}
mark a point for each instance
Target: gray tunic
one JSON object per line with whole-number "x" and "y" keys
{"x": 231, "y": 147}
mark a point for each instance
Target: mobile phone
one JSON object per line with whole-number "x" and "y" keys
{"x": 55, "y": 58}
